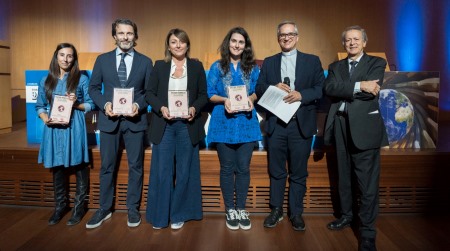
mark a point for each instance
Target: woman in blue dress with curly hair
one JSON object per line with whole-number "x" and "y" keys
{"x": 65, "y": 145}
{"x": 234, "y": 132}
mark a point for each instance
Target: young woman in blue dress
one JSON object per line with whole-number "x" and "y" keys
{"x": 65, "y": 145}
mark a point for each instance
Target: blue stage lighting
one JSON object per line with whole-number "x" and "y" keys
{"x": 410, "y": 34}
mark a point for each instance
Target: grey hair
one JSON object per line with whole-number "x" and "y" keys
{"x": 354, "y": 27}
{"x": 286, "y": 22}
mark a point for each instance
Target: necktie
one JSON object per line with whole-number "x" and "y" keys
{"x": 352, "y": 67}
{"x": 343, "y": 106}
{"x": 122, "y": 71}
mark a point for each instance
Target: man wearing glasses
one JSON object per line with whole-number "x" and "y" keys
{"x": 301, "y": 76}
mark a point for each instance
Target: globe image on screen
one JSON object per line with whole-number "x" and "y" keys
{"x": 397, "y": 112}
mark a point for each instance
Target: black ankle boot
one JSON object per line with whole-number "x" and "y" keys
{"x": 80, "y": 196}
{"x": 59, "y": 187}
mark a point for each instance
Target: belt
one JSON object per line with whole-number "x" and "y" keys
{"x": 341, "y": 113}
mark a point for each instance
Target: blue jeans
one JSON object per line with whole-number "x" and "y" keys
{"x": 235, "y": 172}
{"x": 174, "y": 190}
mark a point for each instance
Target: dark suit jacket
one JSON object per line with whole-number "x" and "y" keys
{"x": 157, "y": 96}
{"x": 309, "y": 80}
{"x": 105, "y": 71}
{"x": 366, "y": 124}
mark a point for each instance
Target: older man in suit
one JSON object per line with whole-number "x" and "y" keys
{"x": 301, "y": 76}
{"x": 123, "y": 68}
{"x": 355, "y": 126}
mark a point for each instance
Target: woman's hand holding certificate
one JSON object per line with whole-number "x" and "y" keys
{"x": 61, "y": 109}
{"x": 237, "y": 95}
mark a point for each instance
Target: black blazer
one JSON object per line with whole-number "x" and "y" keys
{"x": 364, "y": 118}
{"x": 105, "y": 72}
{"x": 309, "y": 80}
{"x": 157, "y": 96}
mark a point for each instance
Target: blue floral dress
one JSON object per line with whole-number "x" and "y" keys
{"x": 233, "y": 128}
{"x": 65, "y": 145}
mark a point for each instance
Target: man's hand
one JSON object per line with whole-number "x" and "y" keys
{"x": 284, "y": 87}
{"x": 292, "y": 97}
{"x": 109, "y": 111}
{"x": 370, "y": 86}
{"x": 134, "y": 111}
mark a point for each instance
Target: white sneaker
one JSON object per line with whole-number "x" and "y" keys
{"x": 232, "y": 219}
{"x": 177, "y": 225}
{"x": 244, "y": 220}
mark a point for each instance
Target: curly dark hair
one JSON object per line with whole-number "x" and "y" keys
{"x": 247, "y": 57}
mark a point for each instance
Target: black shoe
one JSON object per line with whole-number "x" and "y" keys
{"x": 275, "y": 216}
{"x": 297, "y": 222}
{"x": 56, "y": 217}
{"x": 232, "y": 219}
{"x": 99, "y": 217}
{"x": 339, "y": 224}
{"x": 134, "y": 219}
{"x": 77, "y": 215}
{"x": 367, "y": 244}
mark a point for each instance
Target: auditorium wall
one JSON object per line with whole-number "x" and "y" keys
{"x": 34, "y": 27}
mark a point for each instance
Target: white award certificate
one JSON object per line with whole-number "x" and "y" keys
{"x": 178, "y": 104}
{"x": 238, "y": 97}
{"x": 123, "y": 101}
{"x": 61, "y": 110}
{"x": 273, "y": 101}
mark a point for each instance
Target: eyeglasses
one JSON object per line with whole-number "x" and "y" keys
{"x": 287, "y": 35}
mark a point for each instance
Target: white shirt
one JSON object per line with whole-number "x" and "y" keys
{"x": 179, "y": 84}
{"x": 357, "y": 87}
{"x": 128, "y": 59}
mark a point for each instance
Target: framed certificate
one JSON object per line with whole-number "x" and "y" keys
{"x": 238, "y": 97}
{"x": 178, "y": 104}
{"x": 61, "y": 110}
{"x": 123, "y": 101}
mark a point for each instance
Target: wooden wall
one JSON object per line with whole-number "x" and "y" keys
{"x": 36, "y": 26}
{"x": 5, "y": 90}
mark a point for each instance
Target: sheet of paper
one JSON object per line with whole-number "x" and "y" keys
{"x": 273, "y": 101}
